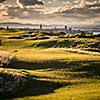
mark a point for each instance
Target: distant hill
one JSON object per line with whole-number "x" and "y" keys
{"x": 15, "y": 24}
{"x": 29, "y": 25}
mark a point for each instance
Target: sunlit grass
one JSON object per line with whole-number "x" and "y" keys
{"x": 58, "y": 66}
{"x": 54, "y": 74}
{"x": 50, "y": 54}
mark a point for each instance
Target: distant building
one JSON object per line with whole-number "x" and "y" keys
{"x": 70, "y": 29}
{"x": 7, "y": 27}
{"x": 55, "y": 27}
{"x": 41, "y": 26}
{"x": 66, "y": 28}
{"x": 83, "y": 33}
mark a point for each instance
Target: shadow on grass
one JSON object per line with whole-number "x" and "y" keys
{"x": 41, "y": 87}
{"x": 34, "y": 65}
{"x": 92, "y": 66}
{"x": 38, "y": 87}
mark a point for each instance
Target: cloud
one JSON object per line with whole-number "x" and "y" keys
{"x": 69, "y": 6}
{"x": 23, "y": 3}
{"x": 52, "y": 11}
{"x": 80, "y": 7}
{"x": 2, "y": 1}
{"x": 14, "y": 12}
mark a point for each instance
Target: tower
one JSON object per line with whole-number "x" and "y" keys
{"x": 66, "y": 27}
{"x": 41, "y": 26}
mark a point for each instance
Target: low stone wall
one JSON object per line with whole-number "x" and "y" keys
{"x": 11, "y": 82}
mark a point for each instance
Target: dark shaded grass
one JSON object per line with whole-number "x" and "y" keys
{"x": 92, "y": 67}
{"x": 34, "y": 65}
{"x": 8, "y": 77}
{"x": 38, "y": 87}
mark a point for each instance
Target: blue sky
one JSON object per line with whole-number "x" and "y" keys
{"x": 50, "y": 11}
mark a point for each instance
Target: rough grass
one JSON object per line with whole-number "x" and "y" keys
{"x": 58, "y": 75}
{"x": 83, "y": 43}
{"x": 54, "y": 74}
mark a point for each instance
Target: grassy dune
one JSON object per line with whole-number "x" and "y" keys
{"x": 58, "y": 75}
{"x": 53, "y": 74}
{"x": 10, "y": 39}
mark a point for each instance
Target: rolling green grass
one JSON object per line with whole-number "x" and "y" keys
{"x": 83, "y": 43}
{"x": 58, "y": 75}
{"x": 54, "y": 74}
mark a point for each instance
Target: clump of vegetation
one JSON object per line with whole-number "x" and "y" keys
{"x": 11, "y": 81}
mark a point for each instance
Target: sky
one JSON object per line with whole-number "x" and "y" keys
{"x": 50, "y": 11}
